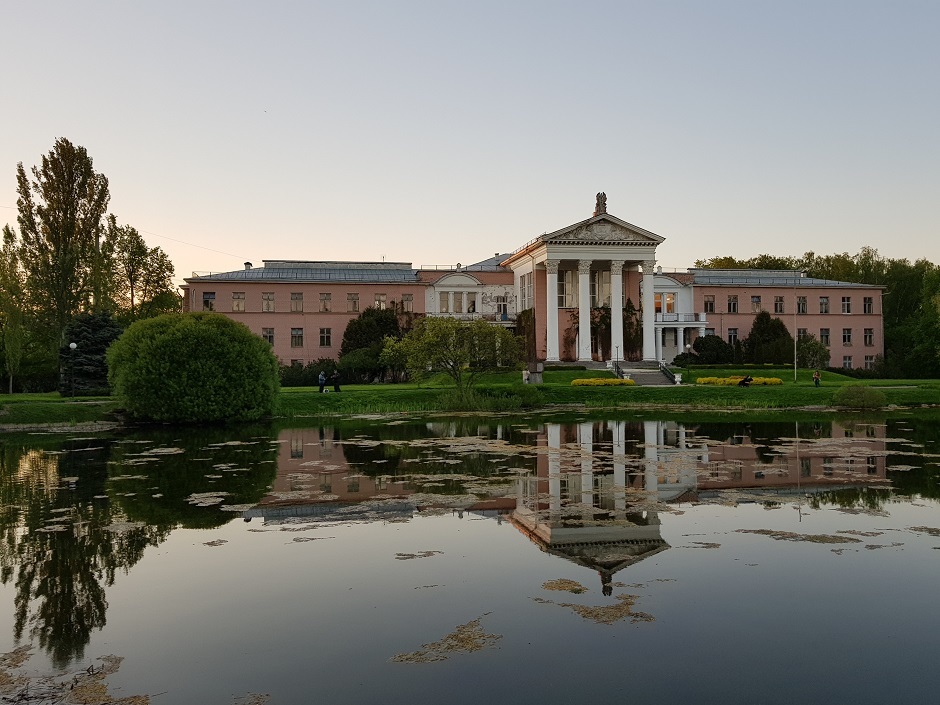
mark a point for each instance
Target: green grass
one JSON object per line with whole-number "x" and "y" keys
{"x": 42, "y": 409}
{"x": 436, "y": 396}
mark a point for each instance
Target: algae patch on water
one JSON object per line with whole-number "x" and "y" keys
{"x": 792, "y": 536}
{"x": 466, "y": 638}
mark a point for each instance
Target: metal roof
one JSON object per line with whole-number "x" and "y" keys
{"x": 758, "y": 277}
{"x": 320, "y": 272}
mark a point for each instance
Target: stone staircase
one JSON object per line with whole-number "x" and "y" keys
{"x": 643, "y": 373}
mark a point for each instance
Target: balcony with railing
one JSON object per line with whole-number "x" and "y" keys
{"x": 673, "y": 319}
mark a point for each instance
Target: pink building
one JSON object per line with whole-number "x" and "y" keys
{"x": 302, "y": 308}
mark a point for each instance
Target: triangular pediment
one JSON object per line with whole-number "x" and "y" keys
{"x": 603, "y": 229}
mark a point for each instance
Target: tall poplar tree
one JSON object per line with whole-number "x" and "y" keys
{"x": 11, "y": 306}
{"x": 61, "y": 211}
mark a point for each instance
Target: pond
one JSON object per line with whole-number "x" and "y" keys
{"x": 546, "y": 559}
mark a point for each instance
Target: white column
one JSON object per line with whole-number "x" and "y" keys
{"x": 586, "y": 441}
{"x": 680, "y": 340}
{"x": 584, "y": 310}
{"x": 649, "y": 312}
{"x": 551, "y": 310}
{"x": 616, "y": 309}
{"x": 659, "y": 343}
{"x": 620, "y": 468}
{"x": 450, "y": 301}
{"x": 554, "y": 467}
{"x": 651, "y": 456}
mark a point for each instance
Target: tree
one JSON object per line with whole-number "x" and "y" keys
{"x": 11, "y": 307}
{"x": 462, "y": 350}
{"x": 60, "y": 218}
{"x": 359, "y": 354}
{"x": 86, "y": 367}
{"x": 195, "y": 367}
{"x": 139, "y": 275}
{"x": 769, "y": 341}
{"x": 712, "y": 350}
{"x": 811, "y": 353}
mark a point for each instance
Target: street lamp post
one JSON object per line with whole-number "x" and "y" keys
{"x": 72, "y": 347}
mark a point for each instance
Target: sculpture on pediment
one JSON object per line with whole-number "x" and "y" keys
{"x": 600, "y": 207}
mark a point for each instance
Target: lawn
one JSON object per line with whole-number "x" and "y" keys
{"x": 505, "y": 392}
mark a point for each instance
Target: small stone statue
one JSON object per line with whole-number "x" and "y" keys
{"x": 601, "y": 207}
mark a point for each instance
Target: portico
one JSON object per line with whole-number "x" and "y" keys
{"x": 567, "y": 275}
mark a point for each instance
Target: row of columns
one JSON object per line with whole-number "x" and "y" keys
{"x": 584, "y": 310}
{"x": 680, "y": 340}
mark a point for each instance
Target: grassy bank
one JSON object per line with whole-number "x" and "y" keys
{"x": 42, "y": 409}
{"x": 504, "y": 392}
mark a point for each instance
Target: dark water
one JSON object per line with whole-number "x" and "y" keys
{"x": 705, "y": 562}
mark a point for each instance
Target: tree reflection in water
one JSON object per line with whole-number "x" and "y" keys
{"x": 66, "y": 531}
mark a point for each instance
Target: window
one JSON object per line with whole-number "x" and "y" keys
{"x": 408, "y": 302}
{"x": 525, "y": 291}
{"x": 567, "y": 288}
{"x": 778, "y": 304}
{"x": 824, "y": 304}
{"x": 846, "y": 336}
{"x": 846, "y": 304}
{"x": 326, "y": 337}
{"x": 800, "y": 333}
{"x": 847, "y": 362}
{"x": 755, "y": 304}
{"x": 600, "y": 288}
{"x": 868, "y": 305}
{"x": 502, "y": 307}
{"x": 444, "y": 302}
{"x": 709, "y": 303}
{"x": 267, "y": 300}
{"x": 733, "y": 304}
{"x": 326, "y": 304}
{"x": 869, "y": 362}
{"x": 296, "y": 447}
{"x": 458, "y": 302}
{"x": 208, "y": 301}
{"x": 709, "y": 331}
{"x": 296, "y": 337}
{"x": 268, "y": 335}
{"x": 665, "y": 303}
{"x": 824, "y": 336}
{"x": 732, "y": 336}
{"x": 238, "y": 300}
{"x": 352, "y": 302}
{"x": 296, "y": 301}
{"x": 471, "y": 301}
{"x": 869, "y": 336}
{"x": 381, "y": 301}
{"x": 801, "y": 304}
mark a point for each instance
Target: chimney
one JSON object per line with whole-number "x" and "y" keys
{"x": 247, "y": 265}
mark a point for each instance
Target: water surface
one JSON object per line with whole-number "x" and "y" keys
{"x": 554, "y": 559}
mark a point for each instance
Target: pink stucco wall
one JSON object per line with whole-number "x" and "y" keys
{"x": 311, "y": 319}
{"x": 835, "y": 321}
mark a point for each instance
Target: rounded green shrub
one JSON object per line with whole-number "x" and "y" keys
{"x": 858, "y": 396}
{"x": 193, "y": 367}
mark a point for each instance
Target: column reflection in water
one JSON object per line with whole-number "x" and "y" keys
{"x": 612, "y": 520}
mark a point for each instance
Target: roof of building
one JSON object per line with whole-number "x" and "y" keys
{"x": 296, "y": 270}
{"x": 768, "y": 277}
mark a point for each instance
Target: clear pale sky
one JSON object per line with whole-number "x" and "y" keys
{"x": 440, "y": 132}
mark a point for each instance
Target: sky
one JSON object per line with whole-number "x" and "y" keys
{"x": 441, "y": 132}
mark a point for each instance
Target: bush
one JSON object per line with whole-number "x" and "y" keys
{"x": 733, "y": 381}
{"x": 193, "y": 367}
{"x": 857, "y": 396}
{"x": 602, "y": 382}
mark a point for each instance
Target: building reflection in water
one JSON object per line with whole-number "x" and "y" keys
{"x": 593, "y": 491}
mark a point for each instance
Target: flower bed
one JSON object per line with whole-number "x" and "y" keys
{"x": 602, "y": 382}
{"x": 733, "y": 381}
